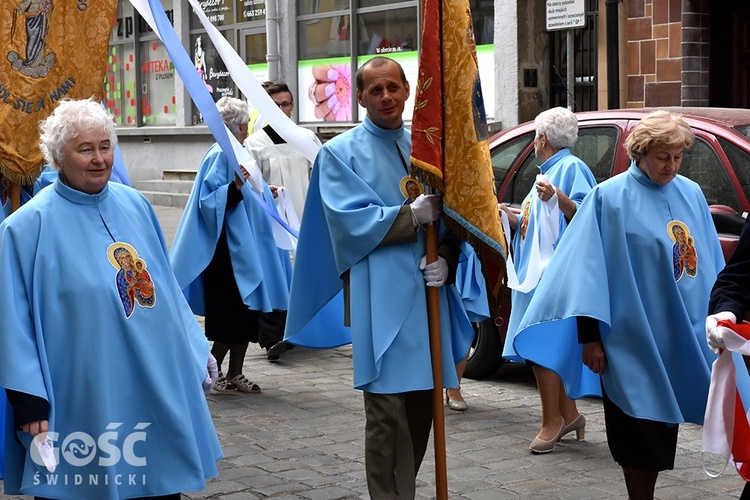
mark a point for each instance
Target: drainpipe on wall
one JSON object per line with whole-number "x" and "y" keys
{"x": 272, "y": 40}
{"x": 613, "y": 55}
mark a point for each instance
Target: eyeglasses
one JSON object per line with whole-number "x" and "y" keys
{"x": 285, "y": 104}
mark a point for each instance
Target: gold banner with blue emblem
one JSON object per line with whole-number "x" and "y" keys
{"x": 52, "y": 49}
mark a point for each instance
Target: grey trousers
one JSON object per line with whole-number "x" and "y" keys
{"x": 397, "y": 430}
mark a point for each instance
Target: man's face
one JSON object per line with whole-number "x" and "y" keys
{"x": 384, "y": 95}
{"x": 284, "y": 101}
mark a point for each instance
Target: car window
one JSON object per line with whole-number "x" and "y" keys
{"x": 744, "y": 130}
{"x": 740, "y": 162}
{"x": 523, "y": 178}
{"x": 701, "y": 164}
{"x": 504, "y": 156}
{"x": 596, "y": 147}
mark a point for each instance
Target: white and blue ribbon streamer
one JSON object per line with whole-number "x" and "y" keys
{"x": 153, "y": 13}
{"x": 251, "y": 88}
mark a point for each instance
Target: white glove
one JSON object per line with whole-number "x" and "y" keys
{"x": 434, "y": 273}
{"x": 212, "y": 373}
{"x": 425, "y": 209}
{"x": 715, "y": 333}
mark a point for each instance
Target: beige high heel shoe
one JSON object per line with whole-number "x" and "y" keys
{"x": 546, "y": 445}
{"x": 579, "y": 425}
{"x": 454, "y": 404}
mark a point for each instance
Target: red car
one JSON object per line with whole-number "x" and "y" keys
{"x": 719, "y": 161}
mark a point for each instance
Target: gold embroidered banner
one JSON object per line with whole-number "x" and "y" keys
{"x": 52, "y": 49}
{"x": 450, "y": 139}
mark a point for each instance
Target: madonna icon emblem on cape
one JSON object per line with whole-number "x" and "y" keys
{"x": 133, "y": 281}
{"x": 684, "y": 257}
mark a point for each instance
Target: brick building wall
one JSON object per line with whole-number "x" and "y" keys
{"x": 667, "y": 53}
{"x": 696, "y": 32}
{"x": 654, "y": 53}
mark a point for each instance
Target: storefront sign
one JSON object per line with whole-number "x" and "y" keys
{"x": 251, "y": 10}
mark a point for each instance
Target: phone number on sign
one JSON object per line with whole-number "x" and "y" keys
{"x": 253, "y": 13}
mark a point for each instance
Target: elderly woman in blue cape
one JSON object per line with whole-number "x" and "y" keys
{"x": 563, "y": 182}
{"x": 113, "y": 419}
{"x": 226, "y": 259}
{"x": 616, "y": 318}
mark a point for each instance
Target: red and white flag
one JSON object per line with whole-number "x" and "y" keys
{"x": 726, "y": 427}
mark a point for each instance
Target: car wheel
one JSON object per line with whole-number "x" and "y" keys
{"x": 485, "y": 355}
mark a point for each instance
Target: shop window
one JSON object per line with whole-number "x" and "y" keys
{"x": 211, "y": 67}
{"x": 157, "y": 92}
{"x": 325, "y": 72}
{"x": 389, "y": 31}
{"x": 221, "y": 12}
{"x": 328, "y": 36}
{"x": 119, "y": 92}
{"x": 483, "y": 18}
{"x": 120, "y": 96}
{"x": 125, "y": 22}
{"x": 251, "y": 10}
{"x": 376, "y": 3}
{"x": 324, "y": 37}
{"x": 307, "y": 7}
{"x": 139, "y": 84}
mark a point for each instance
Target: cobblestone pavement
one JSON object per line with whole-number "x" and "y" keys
{"x": 303, "y": 436}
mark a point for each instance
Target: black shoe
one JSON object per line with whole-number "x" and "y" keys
{"x": 276, "y": 350}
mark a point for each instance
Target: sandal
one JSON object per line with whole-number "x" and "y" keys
{"x": 244, "y": 385}
{"x": 222, "y": 385}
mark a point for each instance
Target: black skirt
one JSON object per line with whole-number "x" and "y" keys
{"x": 228, "y": 319}
{"x": 639, "y": 443}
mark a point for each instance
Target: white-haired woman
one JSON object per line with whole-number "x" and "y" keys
{"x": 226, "y": 260}
{"x": 566, "y": 179}
{"x": 93, "y": 324}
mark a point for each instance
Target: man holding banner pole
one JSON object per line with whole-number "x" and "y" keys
{"x": 359, "y": 234}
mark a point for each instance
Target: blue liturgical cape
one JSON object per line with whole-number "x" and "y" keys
{"x": 353, "y": 200}
{"x": 100, "y": 351}
{"x": 46, "y": 178}
{"x": 471, "y": 289}
{"x": 263, "y": 271}
{"x": 3, "y": 405}
{"x": 571, "y": 175}
{"x": 471, "y": 285}
{"x": 41, "y": 182}
{"x": 615, "y": 264}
